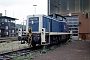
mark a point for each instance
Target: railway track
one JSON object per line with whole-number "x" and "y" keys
{"x": 8, "y": 39}
{"x": 24, "y": 52}
{"x": 12, "y": 54}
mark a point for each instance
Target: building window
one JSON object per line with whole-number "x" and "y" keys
{"x": 75, "y": 31}
{"x": 6, "y": 27}
{"x": 12, "y": 31}
{"x": 75, "y": 34}
{"x": 8, "y": 20}
{"x": 5, "y": 20}
{"x": 12, "y": 21}
{"x": 2, "y": 23}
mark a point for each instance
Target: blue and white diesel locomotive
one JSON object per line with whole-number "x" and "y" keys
{"x": 47, "y": 29}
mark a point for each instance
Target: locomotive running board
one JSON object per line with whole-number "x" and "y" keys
{"x": 52, "y": 33}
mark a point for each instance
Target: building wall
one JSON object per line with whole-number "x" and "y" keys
{"x": 84, "y": 26}
{"x": 9, "y": 27}
{"x": 84, "y": 23}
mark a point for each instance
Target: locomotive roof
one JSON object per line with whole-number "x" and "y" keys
{"x": 58, "y": 15}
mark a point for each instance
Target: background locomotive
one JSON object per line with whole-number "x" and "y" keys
{"x": 46, "y": 30}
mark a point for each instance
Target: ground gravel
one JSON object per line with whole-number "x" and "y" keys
{"x": 77, "y": 50}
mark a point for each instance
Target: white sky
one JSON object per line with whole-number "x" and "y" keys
{"x": 21, "y": 8}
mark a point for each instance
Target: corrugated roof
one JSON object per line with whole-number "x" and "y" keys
{"x": 68, "y": 6}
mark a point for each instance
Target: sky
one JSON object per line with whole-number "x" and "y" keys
{"x": 21, "y": 8}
